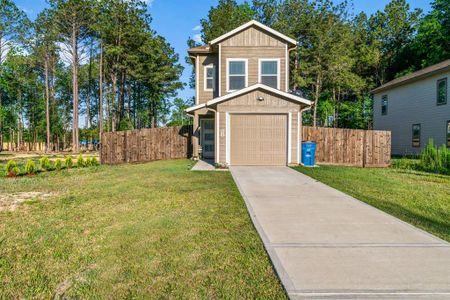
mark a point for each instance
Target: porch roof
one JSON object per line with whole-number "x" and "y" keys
{"x": 246, "y": 90}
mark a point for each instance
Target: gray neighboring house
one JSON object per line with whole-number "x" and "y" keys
{"x": 415, "y": 108}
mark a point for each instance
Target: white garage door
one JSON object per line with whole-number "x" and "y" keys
{"x": 258, "y": 139}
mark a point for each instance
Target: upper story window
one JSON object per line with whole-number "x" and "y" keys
{"x": 269, "y": 72}
{"x": 210, "y": 73}
{"x": 237, "y": 74}
{"x": 384, "y": 105}
{"x": 441, "y": 91}
{"x": 416, "y": 135}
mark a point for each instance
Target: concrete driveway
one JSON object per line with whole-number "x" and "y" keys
{"x": 325, "y": 244}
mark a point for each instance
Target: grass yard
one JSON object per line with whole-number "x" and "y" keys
{"x": 155, "y": 230}
{"x": 419, "y": 198}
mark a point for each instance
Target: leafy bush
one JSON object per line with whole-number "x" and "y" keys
{"x": 58, "y": 164}
{"x": 94, "y": 161}
{"x": 80, "y": 161}
{"x": 30, "y": 167}
{"x": 406, "y": 163}
{"x": 12, "y": 169}
{"x": 435, "y": 160}
{"x": 44, "y": 162}
{"x": 69, "y": 162}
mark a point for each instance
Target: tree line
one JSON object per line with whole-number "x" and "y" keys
{"x": 100, "y": 59}
{"x": 342, "y": 56}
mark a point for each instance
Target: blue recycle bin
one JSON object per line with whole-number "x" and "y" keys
{"x": 308, "y": 154}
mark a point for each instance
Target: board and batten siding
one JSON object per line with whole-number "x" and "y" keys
{"x": 413, "y": 103}
{"x": 248, "y": 103}
{"x": 204, "y": 61}
{"x": 252, "y": 44}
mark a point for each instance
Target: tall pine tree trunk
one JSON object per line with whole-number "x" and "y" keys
{"x": 75, "y": 139}
{"x": 100, "y": 88}
{"x": 47, "y": 106}
{"x": 113, "y": 100}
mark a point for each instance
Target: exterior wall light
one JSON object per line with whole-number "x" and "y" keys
{"x": 260, "y": 98}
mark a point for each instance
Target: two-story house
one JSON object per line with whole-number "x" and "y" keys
{"x": 415, "y": 109}
{"x": 243, "y": 112}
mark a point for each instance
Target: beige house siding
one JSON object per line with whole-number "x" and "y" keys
{"x": 253, "y": 36}
{"x": 253, "y": 44}
{"x": 204, "y": 61}
{"x": 413, "y": 103}
{"x": 248, "y": 103}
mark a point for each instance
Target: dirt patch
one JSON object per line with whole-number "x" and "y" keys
{"x": 9, "y": 202}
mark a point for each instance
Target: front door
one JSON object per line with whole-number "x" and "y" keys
{"x": 207, "y": 138}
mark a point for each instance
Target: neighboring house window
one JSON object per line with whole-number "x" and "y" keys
{"x": 416, "y": 135}
{"x": 384, "y": 105}
{"x": 448, "y": 133}
{"x": 209, "y": 78}
{"x": 441, "y": 91}
{"x": 269, "y": 72}
{"x": 237, "y": 74}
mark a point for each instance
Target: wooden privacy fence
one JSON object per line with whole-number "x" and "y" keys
{"x": 352, "y": 147}
{"x": 146, "y": 145}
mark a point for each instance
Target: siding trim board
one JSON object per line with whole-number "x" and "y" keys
{"x": 197, "y": 75}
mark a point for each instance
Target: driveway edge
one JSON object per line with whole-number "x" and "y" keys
{"x": 273, "y": 257}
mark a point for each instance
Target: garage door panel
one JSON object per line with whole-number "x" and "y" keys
{"x": 258, "y": 139}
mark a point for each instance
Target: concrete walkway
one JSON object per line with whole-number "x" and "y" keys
{"x": 325, "y": 244}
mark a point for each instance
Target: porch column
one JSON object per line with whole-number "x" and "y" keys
{"x": 195, "y": 136}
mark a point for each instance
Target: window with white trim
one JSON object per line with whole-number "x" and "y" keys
{"x": 210, "y": 78}
{"x": 237, "y": 74}
{"x": 269, "y": 72}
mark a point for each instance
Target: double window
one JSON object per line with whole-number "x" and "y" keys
{"x": 416, "y": 135}
{"x": 441, "y": 97}
{"x": 210, "y": 75}
{"x": 384, "y": 105}
{"x": 237, "y": 71}
{"x": 269, "y": 72}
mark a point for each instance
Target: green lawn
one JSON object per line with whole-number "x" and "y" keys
{"x": 419, "y": 198}
{"x": 155, "y": 230}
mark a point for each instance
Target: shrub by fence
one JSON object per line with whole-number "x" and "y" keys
{"x": 352, "y": 147}
{"x": 146, "y": 145}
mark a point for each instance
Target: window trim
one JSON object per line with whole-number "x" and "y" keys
{"x": 437, "y": 91}
{"x": 447, "y": 133}
{"x": 245, "y": 60}
{"x": 205, "y": 78}
{"x": 260, "y": 61}
{"x": 420, "y": 135}
{"x": 387, "y": 104}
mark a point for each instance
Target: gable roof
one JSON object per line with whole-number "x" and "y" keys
{"x": 257, "y": 24}
{"x": 414, "y": 76}
{"x": 246, "y": 90}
